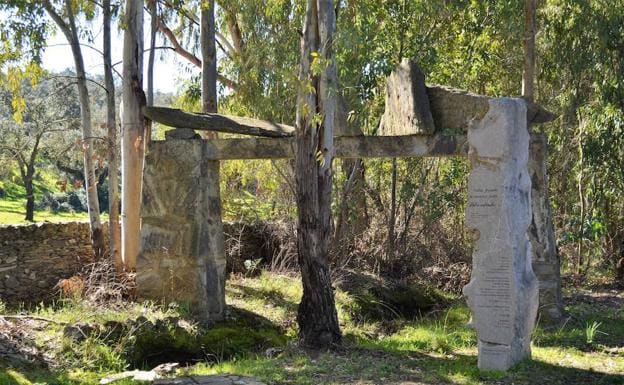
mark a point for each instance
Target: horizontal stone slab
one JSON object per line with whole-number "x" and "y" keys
{"x": 174, "y": 117}
{"x": 456, "y": 110}
{"x": 451, "y": 109}
{"x": 346, "y": 147}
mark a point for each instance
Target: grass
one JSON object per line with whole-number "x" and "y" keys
{"x": 432, "y": 349}
{"x": 13, "y": 203}
{"x": 12, "y": 212}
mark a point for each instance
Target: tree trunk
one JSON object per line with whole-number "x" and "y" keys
{"x": 133, "y": 125}
{"x": 209, "y": 58}
{"x": 28, "y": 173}
{"x": 214, "y": 256}
{"x": 153, "y": 9}
{"x": 317, "y": 318}
{"x": 209, "y": 62}
{"x": 528, "y": 74}
{"x": 70, "y": 31}
{"x": 352, "y": 204}
{"x": 545, "y": 259}
{"x": 392, "y": 216}
{"x": 114, "y": 228}
{"x": 30, "y": 195}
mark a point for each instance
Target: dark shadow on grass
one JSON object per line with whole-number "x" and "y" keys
{"x": 240, "y": 334}
{"x": 21, "y": 212}
{"x": 609, "y": 332}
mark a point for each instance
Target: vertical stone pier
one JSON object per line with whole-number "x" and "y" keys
{"x": 182, "y": 258}
{"x": 546, "y": 263}
{"x": 503, "y": 290}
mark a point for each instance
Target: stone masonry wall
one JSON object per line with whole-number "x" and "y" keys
{"x": 33, "y": 258}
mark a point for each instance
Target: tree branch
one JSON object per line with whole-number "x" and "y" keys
{"x": 188, "y": 55}
{"x": 222, "y": 41}
{"x": 75, "y": 77}
{"x": 176, "y": 44}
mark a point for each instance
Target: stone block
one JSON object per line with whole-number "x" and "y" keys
{"x": 407, "y": 104}
{"x": 182, "y": 256}
{"x": 503, "y": 289}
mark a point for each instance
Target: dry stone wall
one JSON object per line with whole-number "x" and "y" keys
{"x": 33, "y": 258}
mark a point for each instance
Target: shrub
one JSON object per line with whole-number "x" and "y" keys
{"x": 73, "y": 201}
{"x": 77, "y": 199}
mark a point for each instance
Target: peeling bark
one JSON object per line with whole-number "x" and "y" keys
{"x": 317, "y": 318}
{"x": 133, "y": 126}
{"x": 113, "y": 156}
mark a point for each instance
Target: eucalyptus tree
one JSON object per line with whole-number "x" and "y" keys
{"x": 64, "y": 14}
{"x": 316, "y": 107}
{"x": 111, "y": 126}
{"x": 133, "y": 128}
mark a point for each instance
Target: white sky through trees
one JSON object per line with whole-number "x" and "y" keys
{"x": 169, "y": 71}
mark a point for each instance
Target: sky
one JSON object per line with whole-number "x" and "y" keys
{"x": 169, "y": 71}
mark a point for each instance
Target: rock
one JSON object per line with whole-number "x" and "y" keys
{"x": 503, "y": 289}
{"x": 407, "y": 104}
{"x": 136, "y": 375}
{"x": 273, "y": 352}
{"x": 182, "y": 133}
{"x": 113, "y": 330}
{"x": 166, "y": 368}
{"x": 78, "y": 332}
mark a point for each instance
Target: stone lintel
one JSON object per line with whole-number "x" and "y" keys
{"x": 349, "y": 147}
{"x": 174, "y": 117}
{"x": 346, "y": 147}
{"x": 430, "y": 109}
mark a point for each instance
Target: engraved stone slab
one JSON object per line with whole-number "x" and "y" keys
{"x": 502, "y": 292}
{"x": 182, "y": 256}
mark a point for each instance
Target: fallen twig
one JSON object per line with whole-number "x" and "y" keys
{"x": 33, "y": 317}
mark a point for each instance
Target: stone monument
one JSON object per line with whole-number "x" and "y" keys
{"x": 503, "y": 290}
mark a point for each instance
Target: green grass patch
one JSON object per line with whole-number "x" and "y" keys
{"x": 434, "y": 348}
{"x": 12, "y": 212}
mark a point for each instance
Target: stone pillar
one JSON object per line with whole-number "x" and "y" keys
{"x": 182, "y": 257}
{"x": 503, "y": 291}
{"x": 546, "y": 262}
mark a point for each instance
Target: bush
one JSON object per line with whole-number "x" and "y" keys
{"x": 53, "y": 202}
{"x": 77, "y": 199}
{"x": 73, "y": 201}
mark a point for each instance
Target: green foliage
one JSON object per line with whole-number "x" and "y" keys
{"x": 92, "y": 354}
{"x": 591, "y": 330}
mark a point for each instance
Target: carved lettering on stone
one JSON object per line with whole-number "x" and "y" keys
{"x": 502, "y": 293}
